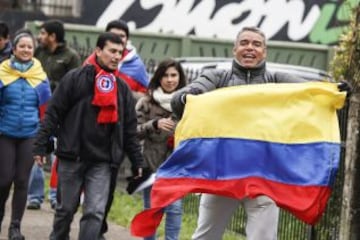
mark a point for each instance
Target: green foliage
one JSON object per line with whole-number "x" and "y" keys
{"x": 347, "y": 52}
{"x": 341, "y": 61}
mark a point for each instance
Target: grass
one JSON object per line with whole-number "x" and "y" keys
{"x": 125, "y": 207}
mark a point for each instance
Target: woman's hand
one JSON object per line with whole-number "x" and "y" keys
{"x": 166, "y": 124}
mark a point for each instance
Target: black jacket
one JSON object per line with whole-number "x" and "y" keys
{"x": 79, "y": 137}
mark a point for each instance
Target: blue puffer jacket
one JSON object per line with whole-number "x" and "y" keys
{"x": 19, "y": 113}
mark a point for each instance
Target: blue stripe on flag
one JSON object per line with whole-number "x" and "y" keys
{"x": 226, "y": 159}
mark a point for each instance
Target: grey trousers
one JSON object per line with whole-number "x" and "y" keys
{"x": 215, "y": 213}
{"x": 75, "y": 177}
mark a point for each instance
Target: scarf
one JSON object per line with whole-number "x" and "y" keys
{"x": 130, "y": 81}
{"x": 105, "y": 95}
{"x": 163, "y": 98}
{"x": 34, "y": 75}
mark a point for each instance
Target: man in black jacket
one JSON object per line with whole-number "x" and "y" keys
{"x": 97, "y": 126}
{"x": 57, "y": 59}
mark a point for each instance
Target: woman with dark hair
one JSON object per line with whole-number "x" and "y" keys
{"x": 156, "y": 128}
{"x": 24, "y": 92}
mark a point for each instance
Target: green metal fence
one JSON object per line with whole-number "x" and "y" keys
{"x": 157, "y": 46}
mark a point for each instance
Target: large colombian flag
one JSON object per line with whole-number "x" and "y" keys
{"x": 279, "y": 140}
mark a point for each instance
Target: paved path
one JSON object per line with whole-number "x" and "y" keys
{"x": 37, "y": 224}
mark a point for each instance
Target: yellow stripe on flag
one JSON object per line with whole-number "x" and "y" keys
{"x": 282, "y": 113}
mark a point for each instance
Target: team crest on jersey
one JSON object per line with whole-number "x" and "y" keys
{"x": 105, "y": 83}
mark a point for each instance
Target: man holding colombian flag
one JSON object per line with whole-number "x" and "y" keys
{"x": 235, "y": 146}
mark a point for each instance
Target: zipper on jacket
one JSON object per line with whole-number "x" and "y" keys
{"x": 248, "y": 75}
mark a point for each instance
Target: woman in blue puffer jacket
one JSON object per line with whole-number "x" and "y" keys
{"x": 24, "y": 92}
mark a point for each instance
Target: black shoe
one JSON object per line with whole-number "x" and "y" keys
{"x": 102, "y": 237}
{"x": 33, "y": 206}
{"x": 14, "y": 232}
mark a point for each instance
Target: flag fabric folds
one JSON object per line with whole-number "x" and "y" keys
{"x": 279, "y": 140}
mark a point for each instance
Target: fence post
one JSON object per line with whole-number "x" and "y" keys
{"x": 311, "y": 233}
{"x": 186, "y": 44}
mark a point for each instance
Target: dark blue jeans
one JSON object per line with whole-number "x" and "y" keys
{"x": 75, "y": 177}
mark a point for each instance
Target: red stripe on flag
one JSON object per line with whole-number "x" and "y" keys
{"x": 305, "y": 202}
{"x": 145, "y": 223}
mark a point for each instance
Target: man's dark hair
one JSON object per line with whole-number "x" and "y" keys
{"x": 108, "y": 36}
{"x": 55, "y": 27}
{"x": 4, "y": 30}
{"x": 118, "y": 24}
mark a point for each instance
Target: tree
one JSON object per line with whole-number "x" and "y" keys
{"x": 346, "y": 65}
